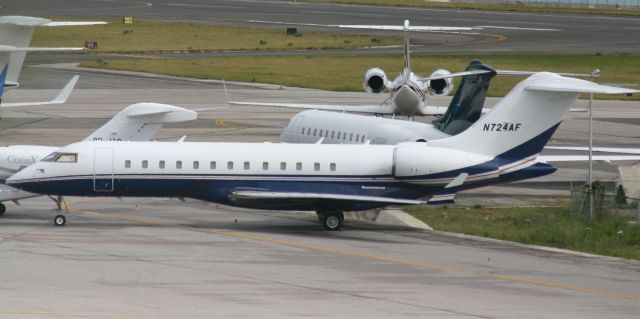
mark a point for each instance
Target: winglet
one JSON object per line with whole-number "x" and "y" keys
{"x": 224, "y": 85}
{"x": 66, "y": 91}
{"x": 448, "y": 193}
{"x": 3, "y": 79}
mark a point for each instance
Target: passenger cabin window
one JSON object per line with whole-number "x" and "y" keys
{"x": 67, "y": 158}
{"x": 357, "y": 137}
{"x": 161, "y": 164}
{"x": 350, "y": 137}
{"x": 179, "y": 164}
{"x": 332, "y": 167}
{"x": 298, "y": 166}
{"x": 229, "y": 165}
{"x": 246, "y": 166}
{"x": 212, "y": 165}
{"x": 145, "y": 164}
{"x": 314, "y": 131}
{"x": 320, "y": 133}
{"x": 316, "y": 166}
{"x": 196, "y": 165}
{"x": 303, "y": 129}
{"x": 127, "y": 164}
{"x": 283, "y": 166}
{"x": 265, "y": 166}
{"x": 332, "y": 132}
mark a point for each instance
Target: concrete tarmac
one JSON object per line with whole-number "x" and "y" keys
{"x": 165, "y": 258}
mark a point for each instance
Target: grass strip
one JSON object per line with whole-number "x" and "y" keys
{"x": 345, "y": 73}
{"x": 153, "y": 36}
{"x": 547, "y": 226}
{"x": 520, "y": 7}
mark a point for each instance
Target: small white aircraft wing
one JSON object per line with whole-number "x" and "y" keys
{"x": 10, "y": 48}
{"x": 584, "y": 158}
{"x": 440, "y": 110}
{"x": 577, "y": 86}
{"x": 404, "y": 28}
{"x": 377, "y": 109}
{"x": 263, "y": 195}
{"x": 59, "y": 99}
{"x": 72, "y": 23}
{"x": 11, "y": 193}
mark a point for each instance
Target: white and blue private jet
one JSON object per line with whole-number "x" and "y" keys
{"x": 502, "y": 146}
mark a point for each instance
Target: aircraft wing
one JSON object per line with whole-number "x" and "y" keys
{"x": 377, "y": 109}
{"x": 620, "y": 150}
{"x": 404, "y": 28}
{"x": 72, "y": 23}
{"x": 584, "y": 158}
{"x": 59, "y": 99}
{"x": 266, "y": 195}
{"x": 11, "y": 193}
{"x": 10, "y": 48}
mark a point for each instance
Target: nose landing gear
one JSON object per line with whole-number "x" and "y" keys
{"x": 60, "y": 219}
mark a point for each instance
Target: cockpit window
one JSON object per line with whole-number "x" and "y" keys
{"x": 51, "y": 157}
{"x": 67, "y": 158}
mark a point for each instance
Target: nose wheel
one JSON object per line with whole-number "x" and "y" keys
{"x": 60, "y": 219}
{"x": 331, "y": 220}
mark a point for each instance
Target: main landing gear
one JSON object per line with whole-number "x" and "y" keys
{"x": 331, "y": 220}
{"x": 3, "y": 209}
{"x": 60, "y": 219}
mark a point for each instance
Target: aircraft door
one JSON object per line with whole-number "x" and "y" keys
{"x": 103, "y": 170}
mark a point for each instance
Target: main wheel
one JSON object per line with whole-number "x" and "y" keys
{"x": 59, "y": 220}
{"x": 3, "y": 209}
{"x": 333, "y": 221}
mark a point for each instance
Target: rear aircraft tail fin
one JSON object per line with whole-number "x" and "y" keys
{"x": 3, "y": 79}
{"x": 16, "y": 31}
{"x": 525, "y": 119}
{"x": 140, "y": 122}
{"x": 466, "y": 106}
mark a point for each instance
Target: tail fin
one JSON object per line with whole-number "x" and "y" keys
{"x": 140, "y": 122}
{"x": 466, "y": 106}
{"x": 406, "y": 71}
{"x": 523, "y": 121}
{"x": 3, "y": 79}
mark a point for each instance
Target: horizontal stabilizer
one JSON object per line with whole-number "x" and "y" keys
{"x": 448, "y": 193}
{"x": 165, "y": 113}
{"x": 72, "y": 23}
{"x": 570, "y": 85}
{"x": 10, "y": 48}
{"x": 377, "y": 109}
{"x": 239, "y": 195}
{"x": 530, "y": 73}
{"x": 59, "y": 99}
{"x": 406, "y": 28}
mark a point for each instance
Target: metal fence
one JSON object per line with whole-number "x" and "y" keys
{"x": 622, "y": 4}
{"x": 607, "y": 200}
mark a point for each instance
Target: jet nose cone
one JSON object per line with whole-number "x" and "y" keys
{"x": 19, "y": 178}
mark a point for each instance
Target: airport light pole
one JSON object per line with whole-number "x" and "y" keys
{"x": 594, "y": 73}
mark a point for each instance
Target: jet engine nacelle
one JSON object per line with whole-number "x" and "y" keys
{"x": 414, "y": 160}
{"x": 440, "y": 86}
{"x": 375, "y": 81}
